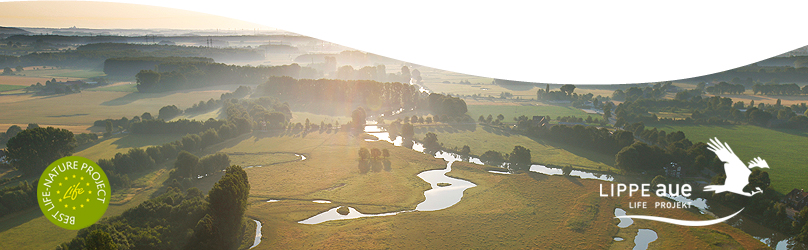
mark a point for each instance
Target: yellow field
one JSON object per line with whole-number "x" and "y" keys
{"x": 107, "y": 148}
{"x": 76, "y": 129}
{"x": 84, "y": 108}
{"x": 22, "y": 80}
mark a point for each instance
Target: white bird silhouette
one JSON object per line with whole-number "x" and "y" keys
{"x": 737, "y": 173}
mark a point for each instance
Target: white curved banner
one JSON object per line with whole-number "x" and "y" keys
{"x": 688, "y": 223}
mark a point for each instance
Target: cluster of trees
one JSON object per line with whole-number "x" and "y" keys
{"x": 189, "y": 166}
{"x": 446, "y": 105}
{"x": 31, "y": 150}
{"x": 136, "y": 159}
{"x": 373, "y": 159}
{"x": 13, "y": 131}
{"x": 779, "y": 89}
{"x": 656, "y": 91}
{"x": 565, "y": 93}
{"x": 600, "y": 140}
{"x": 435, "y": 118}
{"x": 212, "y": 104}
{"x": 340, "y": 96}
{"x": 247, "y": 113}
{"x": 159, "y": 126}
{"x": 518, "y": 159}
{"x": 177, "y": 220}
{"x": 665, "y": 150}
{"x": 180, "y": 75}
{"x": 490, "y": 119}
{"x": 726, "y": 88}
{"x": 713, "y": 110}
{"x": 129, "y": 66}
{"x": 17, "y": 198}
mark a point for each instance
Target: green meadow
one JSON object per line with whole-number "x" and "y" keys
{"x": 782, "y": 149}
{"x": 4, "y": 88}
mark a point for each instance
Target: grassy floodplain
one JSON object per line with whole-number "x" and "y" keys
{"x": 782, "y": 149}
{"x": 525, "y": 210}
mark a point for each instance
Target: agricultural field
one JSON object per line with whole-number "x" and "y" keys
{"x": 82, "y": 109}
{"x": 483, "y": 138}
{"x": 511, "y": 110}
{"x": 116, "y": 87}
{"x": 782, "y": 149}
{"x": 61, "y": 74}
{"x": 107, "y": 148}
{"x": 22, "y": 80}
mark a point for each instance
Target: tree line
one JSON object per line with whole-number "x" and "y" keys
{"x": 714, "y": 110}
{"x": 341, "y": 96}
{"x": 129, "y": 66}
{"x": 180, "y": 75}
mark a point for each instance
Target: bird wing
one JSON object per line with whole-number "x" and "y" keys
{"x": 737, "y": 173}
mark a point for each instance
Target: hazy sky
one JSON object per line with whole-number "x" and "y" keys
{"x": 101, "y": 15}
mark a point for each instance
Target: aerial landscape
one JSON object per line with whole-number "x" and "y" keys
{"x": 268, "y": 139}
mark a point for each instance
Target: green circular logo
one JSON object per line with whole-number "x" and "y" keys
{"x": 73, "y": 192}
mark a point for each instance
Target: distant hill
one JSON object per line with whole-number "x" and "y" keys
{"x": 10, "y": 31}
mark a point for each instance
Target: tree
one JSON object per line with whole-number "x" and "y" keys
{"x": 146, "y": 79}
{"x": 431, "y": 141}
{"x": 466, "y": 150}
{"x": 99, "y": 240}
{"x": 500, "y": 117}
{"x": 607, "y": 111}
{"x": 168, "y": 112}
{"x": 32, "y": 150}
{"x": 228, "y": 202}
{"x": 568, "y": 88}
{"x": 364, "y": 154}
{"x": 13, "y": 131}
{"x": 481, "y": 119}
{"x": 18, "y": 69}
{"x": 185, "y": 164}
{"x": 375, "y": 153}
{"x": 146, "y": 116}
{"x": 566, "y": 170}
{"x": 520, "y": 155}
{"x": 358, "y": 117}
{"x": 385, "y": 153}
{"x": 492, "y": 157}
{"x": 407, "y": 131}
{"x": 7, "y": 71}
